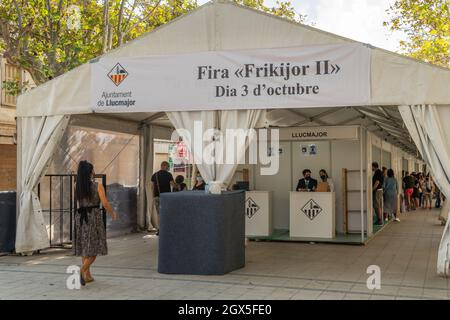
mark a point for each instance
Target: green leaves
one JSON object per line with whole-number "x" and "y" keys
{"x": 282, "y": 9}
{"x": 14, "y": 87}
{"x": 427, "y": 25}
{"x": 49, "y": 37}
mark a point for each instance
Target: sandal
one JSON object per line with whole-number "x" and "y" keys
{"x": 82, "y": 281}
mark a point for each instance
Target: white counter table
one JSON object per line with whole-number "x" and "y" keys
{"x": 312, "y": 214}
{"x": 258, "y": 213}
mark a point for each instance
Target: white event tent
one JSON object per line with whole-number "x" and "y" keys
{"x": 398, "y": 88}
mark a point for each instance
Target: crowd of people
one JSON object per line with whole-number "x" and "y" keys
{"x": 420, "y": 190}
{"x": 417, "y": 191}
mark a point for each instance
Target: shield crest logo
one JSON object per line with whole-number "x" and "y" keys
{"x": 311, "y": 209}
{"x": 251, "y": 207}
{"x": 117, "y": 74}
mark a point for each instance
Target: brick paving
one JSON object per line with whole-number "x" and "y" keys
{"x": 406, "y": 252}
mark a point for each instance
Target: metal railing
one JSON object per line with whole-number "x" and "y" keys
{"x": 61, "y": 206}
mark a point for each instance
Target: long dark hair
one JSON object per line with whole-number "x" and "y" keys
{"x": 390, "y": 173}
{"x": 84, "y": 181}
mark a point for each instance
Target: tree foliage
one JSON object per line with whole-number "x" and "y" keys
{"x": 426, "y": 24}
{"x": 282, "y": 9}
{"x": 49, "y": 37}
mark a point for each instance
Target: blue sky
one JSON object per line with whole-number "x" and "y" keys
{"x": 361, "y": 20}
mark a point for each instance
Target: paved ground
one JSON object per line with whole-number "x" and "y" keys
{"x": 406, "y": 252}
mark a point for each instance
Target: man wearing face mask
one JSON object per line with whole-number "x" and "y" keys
{"x": 307, "y": 183}
{"x": 200, "y": 184}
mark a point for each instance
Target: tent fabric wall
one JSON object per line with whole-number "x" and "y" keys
{"x": 40, "y": 137}
{"x": 149, "y": 133}
{"x": 429, "y": 129}
{"x": 185, "y": 123}
{"x": 236, "y": 120}
{"x": 64, "y": 95}
{"x": 399, "y": 80}
{"x": 217, "y": 174}
{"x": 151, "y": 220}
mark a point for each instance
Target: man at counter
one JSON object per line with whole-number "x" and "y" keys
{"x": 307, "y": 183}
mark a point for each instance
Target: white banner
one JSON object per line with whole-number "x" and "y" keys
{"x": 310, "y": 76}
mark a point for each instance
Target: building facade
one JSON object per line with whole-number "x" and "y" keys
{"x": 8, "y": 149}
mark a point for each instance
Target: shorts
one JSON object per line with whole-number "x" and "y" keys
{"x": 409, "y": 192}
{"x": 427, "y": 197}
{"x": 378, "y": 199}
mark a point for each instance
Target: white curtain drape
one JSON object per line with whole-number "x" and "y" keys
{"x": 39, "y": 139}
{"x": 217, "y": 171}
{"x": 185, "y": 122}
{"x": 236, "y": 120}
{"x": 429, "y": 128}
{"x": 148, "y": 151}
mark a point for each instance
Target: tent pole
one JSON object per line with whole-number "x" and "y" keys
{"x": 19, "y": 166}
{"x": 361, "y": 164}
{"x": 193, "y": 175}
{"x": 216, "y": 121}
{"x": 149, "y": 164}
{"x": 369, "y": 194}
{"x": 142, "y": 179}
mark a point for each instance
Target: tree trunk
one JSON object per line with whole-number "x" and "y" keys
{"x": 119, "y": 24}
{"x": 105, "y": 25}
{"x": 110, "y": 37}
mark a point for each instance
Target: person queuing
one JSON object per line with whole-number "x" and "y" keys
{"x": 89, "y": 227}
{"x": 421, "y": 179}
{"x": 416, "y": 191}
{"x": 390, "y": 195}
{"x": 179, "y": 184}
{"x": 437, "y": 193}
{"x": 162, "y": 181}
{"x": 377, "y": 192}
{"x": 408, "y": 187}
{"x": 306, "y": 183}
{"x": 428, "y": 190}
{"x": 199, "y": 184}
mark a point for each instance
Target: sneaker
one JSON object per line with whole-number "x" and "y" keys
{"x": 397, "y": 219}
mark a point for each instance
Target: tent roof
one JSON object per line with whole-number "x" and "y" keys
{"x": 223, "y": 25}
